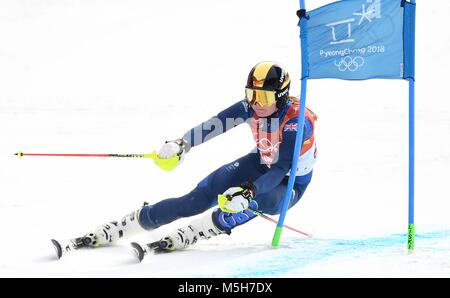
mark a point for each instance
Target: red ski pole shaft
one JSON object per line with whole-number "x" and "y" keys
{"x": 274, "y": 221}
{"x": 166, "y": 164}
{"x": 21, "y": 154}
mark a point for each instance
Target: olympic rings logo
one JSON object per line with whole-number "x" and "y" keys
{"x": 349, "y": 63}
{"x": 266, "y": 146}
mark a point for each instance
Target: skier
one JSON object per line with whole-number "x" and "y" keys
{"x": 256, "y": 181}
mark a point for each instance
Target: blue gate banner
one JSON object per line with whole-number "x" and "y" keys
{"x": 358, "y": 40}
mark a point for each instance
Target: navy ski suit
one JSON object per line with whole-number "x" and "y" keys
{"x": 270, "y": 181}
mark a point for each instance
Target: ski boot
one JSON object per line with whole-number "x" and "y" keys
{"x": 202, "y": 228}
{"x": 104, "y": 235}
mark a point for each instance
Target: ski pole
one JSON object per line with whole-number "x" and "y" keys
{"x": 21, "y": 154}
{"x": 276, "y": 222}
{"x": 166, "y": 164}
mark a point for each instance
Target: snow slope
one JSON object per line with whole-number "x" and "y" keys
{"x": 122, "y": 76}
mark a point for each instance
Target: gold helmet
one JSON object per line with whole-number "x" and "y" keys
{"x": 267, "y": 83}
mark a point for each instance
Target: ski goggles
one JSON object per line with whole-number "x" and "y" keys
{"x": 265, "y": 98}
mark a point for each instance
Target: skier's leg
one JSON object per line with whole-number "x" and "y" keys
{"x": 112, "y": 231}
{"x": 208, "y": 225}
{"x": 200, "y": 228}
{"x": 204, "y": 196}
{"x": 103, "y": 235}
{"x": 220, "y": 222}
{"x": 272, "y": 202}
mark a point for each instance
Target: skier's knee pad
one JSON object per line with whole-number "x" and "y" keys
{"x": 227, "y": 221}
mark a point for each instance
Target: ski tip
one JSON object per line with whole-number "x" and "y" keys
{"x": 58, "y": 248}
{"x": 138, "y": 251}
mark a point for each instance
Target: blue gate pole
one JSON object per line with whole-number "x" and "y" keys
{"x": 297, "y": 148}
{"x": 411, "y": 168}
{"x": 411, "y": 228}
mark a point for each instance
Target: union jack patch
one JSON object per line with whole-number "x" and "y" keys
{"x": 291, "y": 127}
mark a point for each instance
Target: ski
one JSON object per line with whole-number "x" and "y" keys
{"x": 156, "y": 247}
{"x": 65, "y": 246}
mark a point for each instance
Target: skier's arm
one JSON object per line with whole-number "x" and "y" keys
{"x": 222, "y": 122}
{"x": 278, "y": 170}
